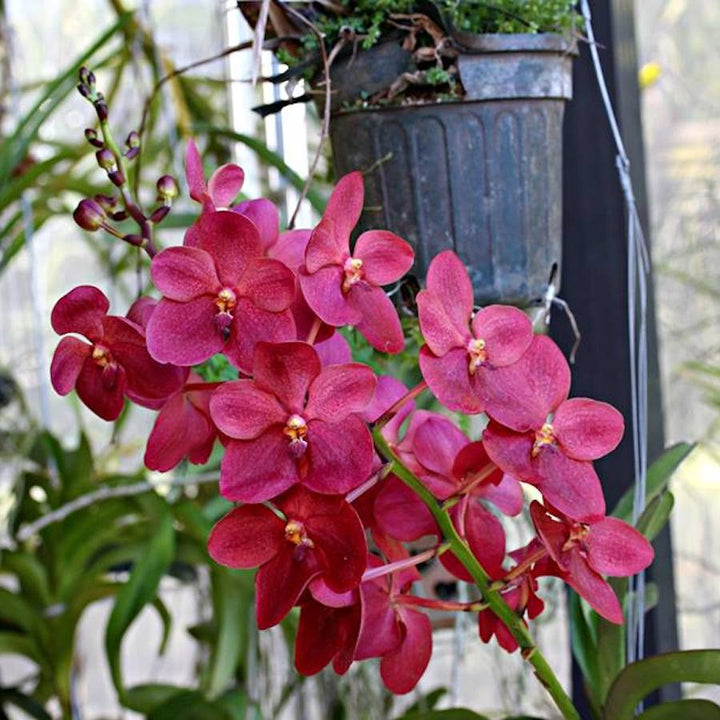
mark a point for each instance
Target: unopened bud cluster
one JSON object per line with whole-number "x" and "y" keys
{"x": 94, "y": 213}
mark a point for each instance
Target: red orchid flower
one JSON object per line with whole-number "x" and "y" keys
{"x": 538, "y": 435}
{"x": 584, "y": 552}
{"x": 345, "y": 289}
{"x": 520, "y": 594}
{"x": 398, "y": 634}
{"x": 114, "y": 362}
{"x": 224, "y": 185}
{"x": 183, "y": 428}
{"x": 463, "y": 350}
{"x": 222, "y": 296}
{"x": 327, "y": 633}
{"x": 294, "y": 422}
{"x": 310, "y": 536}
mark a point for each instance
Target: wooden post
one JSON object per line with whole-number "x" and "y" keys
{"x": 594, "y": 276}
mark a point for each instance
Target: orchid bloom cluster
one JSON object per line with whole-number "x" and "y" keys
{"x": 320, "y": 511}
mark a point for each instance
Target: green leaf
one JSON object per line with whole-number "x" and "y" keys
{"x": 139, "y": 590}
{"x": 427, "y": 702}
{"x": 145, "y": 698}
{"x": 641, "y": 678}
{"x": 189, "y": 705}
{"x": 658, "y": 476}
{"x": 31, "y": 574}
{"x": 656, "y": 515}
{"x": 27, "y": 704}
{"x": 15, "y": 148}
{"x": 584, "y": 648}
{"x": 166, "y": 620}
{"x": 695, "y": 709}
{"x": 19, "y": 644}
{"x": 232, "y": 605}
{"x": 451, "y": 714}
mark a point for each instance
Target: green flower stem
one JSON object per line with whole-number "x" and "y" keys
{"x": 490, "y": 596}
{"x": 129, "y": 202}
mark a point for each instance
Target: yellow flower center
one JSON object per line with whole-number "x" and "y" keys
{"x": 226, "y": 300}
{"x": 353, "y": 272}
{"x": 544, "y": 436}
{"x": 477, "y": 354}
{"x": 295, "y": 533}
{"x": 578, "y": 533}
{"x": 101, "y": 356}
{"x": 296, "y": 430}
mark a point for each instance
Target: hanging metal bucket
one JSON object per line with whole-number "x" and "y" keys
{"x": 482, "y": 176}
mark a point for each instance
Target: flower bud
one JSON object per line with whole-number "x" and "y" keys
{"x": 105, "y": 159}
{"x": 133, "y": 140}
{"x": 132, "y": 153}
{"x": 120, "y": 215}
{"x": 92, "y": 137}
{"x": 89, "y": 215}
{"x": 102, "y": 110}
{"x": 116, "y": 178}
{"x": 134, "y": 239}
{"x": 85, "y": 76}
{"x": 159, "y": 214}
{"x": 167, "y": 188}
{"x": 106, "y": 202}
{"x": 84, "y": 90}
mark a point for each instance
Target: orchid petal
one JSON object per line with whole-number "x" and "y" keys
{"x": 449, "y": 380}
{"x": 253, "y": 471}
{"x": 80, "y": 311}
{"x": 194, "y": 172}
{"x": 522, "y": 395}
{"x": 247, "y": 537}
{"x": 242, "y": 411}
{"x": 340, "y": 390}
{"x": 265, "y": 216}
{"x": 102, "y": 390}
{"x": 269, "y": 284}
{"x": 587, "y": 429}
{"x": 67, "y": 363}
{"x": 447, "y": 280}
{"x": 379, "y": 322}
{"x": 507, "y": 333}
{"x": 345, "y": 205}
{"x": 592, "y": 588}
{"x": 323, "y": 292}
{"x": 401, "y": 670}
{"x": 615, "y": 548}
{"x": 385, "y": 256}
{"x": 184, "y": 333}
{"x": 225, "y": 184}
{"x": 340, "y": 455}
{"x": 440, "y": 334}
{"x": 184, "y": 273}
{"x": 253, "y": 325}
{"x": 287, "y": 371}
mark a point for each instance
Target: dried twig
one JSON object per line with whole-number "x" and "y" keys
{"x": 104, "y": 493}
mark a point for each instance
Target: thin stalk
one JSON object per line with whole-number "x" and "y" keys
{"x": 491, "y": 597}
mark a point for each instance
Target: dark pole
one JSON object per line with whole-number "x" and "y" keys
{"x": 594, "y": 277}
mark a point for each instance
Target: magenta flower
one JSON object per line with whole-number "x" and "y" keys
{"x": 294, "y": 422}
{"x": 114, "y": 362}
{"x": 224, "y": 184}
{"x": 539, "y": 436}
{"x": 463, "y": 350}
{"x": 345, "y": 289}
{"x": 584, "y": 552}
{"x": 318, "y": 536}
{"x": 182, "y": 429}
{"x": 398, "y": 634}
{"x": 222, "y": 296}
{"x": 520, "y": 594}
{"x": 327, "y": 634}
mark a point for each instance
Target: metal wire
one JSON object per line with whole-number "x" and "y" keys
{"x": 638, "y": 268}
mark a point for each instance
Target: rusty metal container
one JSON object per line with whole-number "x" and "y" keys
{"x": 482, "y": 176}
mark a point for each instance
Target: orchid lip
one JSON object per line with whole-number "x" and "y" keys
{"x": 353, "y": 272}
{"x": 296, "y": 430}
{"x": 543, "y": 437}
{"x": 101, "y": 356}
{"x": 295, "y": 533}
{"x": 226, "y": 301}
{"x": 478, "y": 354}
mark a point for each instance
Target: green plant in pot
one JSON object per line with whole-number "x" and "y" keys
{"x": 454, "y": 112}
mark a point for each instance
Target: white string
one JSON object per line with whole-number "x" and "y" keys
{"x": 638, "y": 268}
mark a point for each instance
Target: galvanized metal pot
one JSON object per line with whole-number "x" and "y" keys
{"x": 482, "y": 176}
